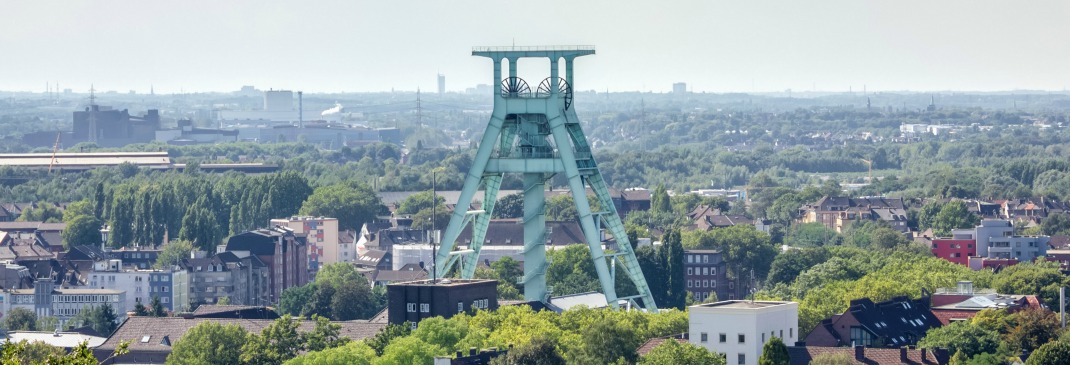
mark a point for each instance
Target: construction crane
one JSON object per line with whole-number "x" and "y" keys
{"x": 55, "y": 149}
{"x": 870, "y": 164}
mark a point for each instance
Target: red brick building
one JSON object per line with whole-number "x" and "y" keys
{"x": 955, "y": 250}
{"x": 284, "y": 252}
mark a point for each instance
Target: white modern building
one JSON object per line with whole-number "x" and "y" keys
{"x": 737, "y": 329}
{"x": 995, "y": 239}
{"x": 46, "y": 300}
{"x": 140, "y": 286}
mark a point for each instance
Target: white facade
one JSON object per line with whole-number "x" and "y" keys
{"x": 139, "y": 285}
{"x": 414, "y": 254}
{"x": 739, "y": 328}
{"x": 63, "y": 304}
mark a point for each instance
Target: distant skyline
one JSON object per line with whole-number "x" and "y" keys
{"x": 362, "y": 46}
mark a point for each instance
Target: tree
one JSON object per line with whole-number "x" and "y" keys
{"x": 47, "y": 323}
{"x": 353, "y": 353}
{"x": 38, "y": 352}
{"x": 277, "y": 342}
{"x": 156, "y": 308}
{"x": 352, "y": 203}
{"x": 353, "y": 300}
{"x": 294, "y": 299}
{"x": 561, "y": 208}
{"x": 82, "y": 230}
{"x": 785, "y": 268}
{"x": 1042, "y": 279}
{"x": 508, "y": 269}
{"x": 953, "y": 215}
{"x": 324, "y": 336}
{"x": 540, "y": 351}
{"x": 209, "y": 343}
{"x": 674, "y": 264}
{"x": 607, "y": 341}
{"x": 660, "y": 201}
{"x": 422, "y": 219}
{"x": 383, "y": 338}
{"x": 419, "y": 201}
{"x": 103, "y": 319}
{"x": 1032, "y": 328}
{"x": 200, "y": 226}
{"x": 774, "y": 352}
{"x": 1051, "y": 353}
{"x": 509, "y": 206}
{"x": 672, "y": 352}
{"x": 409, "y": 350}
{"x": 961, "y": 336}
{"x": 140, "y": 311}
{"x": 172, "y": 253}
{"x": 20, "y": 319}
{"x": 1055, "y": 224}
{"x": 41, "y": 212}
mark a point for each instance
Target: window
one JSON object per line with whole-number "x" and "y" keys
{"x": 705, "y": 271}
{"x": 689, "y": 283}
{"x": 425, "y": 308}
{"x": 705, "y": 259}
{"x": 781, "y": 333}
{"x": 859, "y": 336}
{"x": 690, "y": 259}
{"x": 411, "y": 307}
{"x": 703, "y": 337}
{"x": 460, "y": 307}
{"x": 763, "y": 337}
{"x": 689, "y": 271}
{"x": 791, "y": 332}
{"x": 705, "y": 283}
{"x": 742, "y": 338}
{"x": 741, "y": 358}
{"x": 722, "y": 338}
{"x": 713, "y": 283}
{"x": 413, "y": 326}
{"x": 713, "y": 271}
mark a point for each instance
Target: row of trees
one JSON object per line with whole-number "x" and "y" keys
{"x": 101, "y": 319}
{"x": 339, "y": 293}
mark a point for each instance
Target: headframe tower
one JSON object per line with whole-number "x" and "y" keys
{"x": 537, "y": 134}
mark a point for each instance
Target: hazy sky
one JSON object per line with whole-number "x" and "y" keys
{"x": 713, "y": 45}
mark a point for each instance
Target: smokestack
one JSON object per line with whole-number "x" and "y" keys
{"x": 300, "y": 109}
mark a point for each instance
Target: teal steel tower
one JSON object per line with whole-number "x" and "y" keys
{"x": 537, "y": 134}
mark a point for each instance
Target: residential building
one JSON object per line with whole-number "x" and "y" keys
{"x": 737, "y": 329}
{"x": 962, "y": 302}
{"x": 281, "y": 250}
{"x": 995, "y": 239}
{"x": 957, "y": 251}
{"x": 46, "y": 300}
{"x": 706, "y": 273}
{"x": 415, "y": 300}
{"x": 110, "y": 275}
{"x": 838, "y": 212}
{"x": 241, "y": 279}
{"x": 898, "y": 322}
{"x": 322, "y": 236}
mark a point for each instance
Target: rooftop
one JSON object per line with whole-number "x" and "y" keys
{"x": 742, "y": 304}
{"x": 446, "y": 282}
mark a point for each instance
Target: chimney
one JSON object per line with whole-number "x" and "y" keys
{"x": 860, "y": 353}
{"x": 472, "y": 351}
{"x": 924, "y": 354}
{"x": 903, "y": 354}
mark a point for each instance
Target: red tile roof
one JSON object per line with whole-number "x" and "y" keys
{"x": 803, "y": 355}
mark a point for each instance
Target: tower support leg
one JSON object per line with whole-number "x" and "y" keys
{"x": 534, "y": 237}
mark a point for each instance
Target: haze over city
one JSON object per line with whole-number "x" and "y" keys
{"x": 362, "y": 46}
